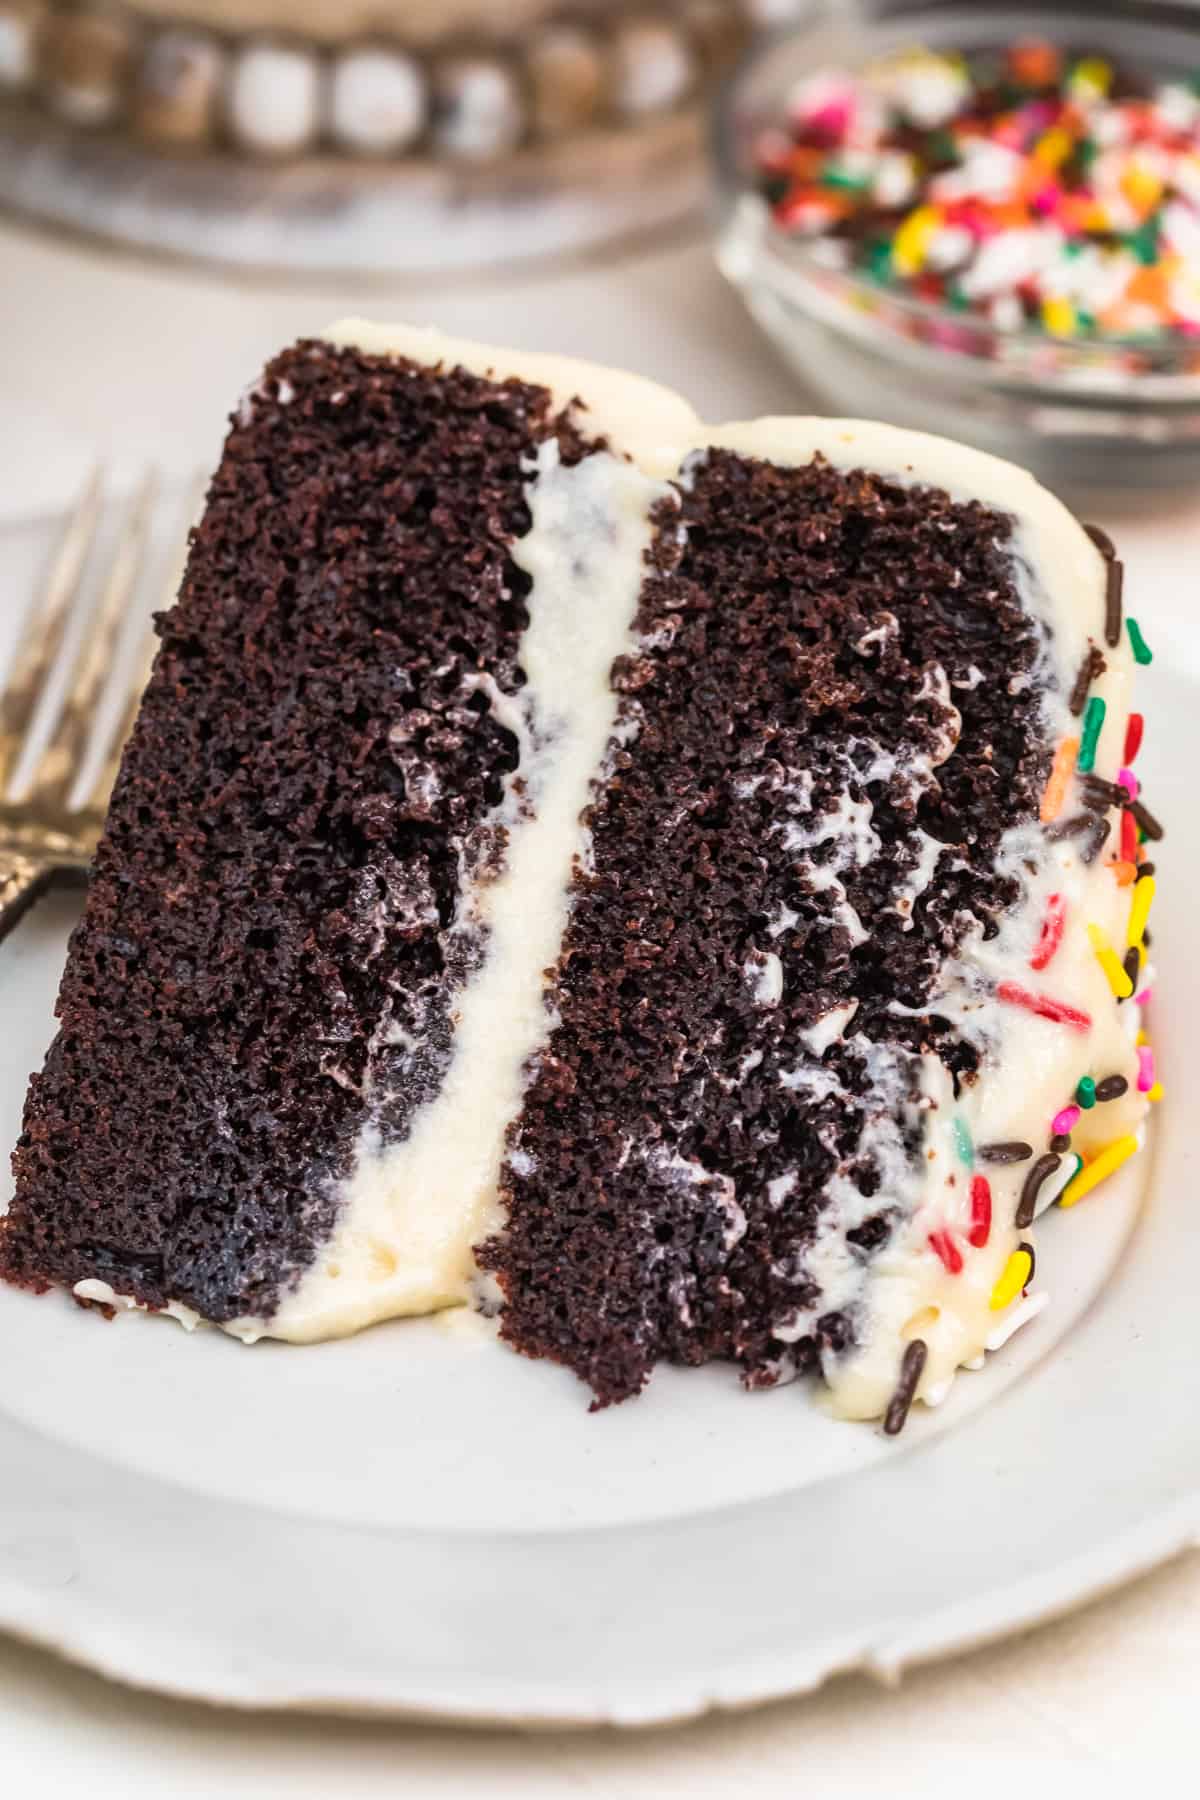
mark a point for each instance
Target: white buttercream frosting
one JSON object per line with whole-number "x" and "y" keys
{"x": 411, "y": 1211}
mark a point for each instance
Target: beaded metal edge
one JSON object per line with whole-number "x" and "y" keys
{"x": 171, "y": 86}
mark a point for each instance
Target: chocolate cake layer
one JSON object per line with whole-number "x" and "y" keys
{"x": 837, "y": 674}
{"x": 265, "y": 960}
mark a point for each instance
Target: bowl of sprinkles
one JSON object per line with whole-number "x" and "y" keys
{"x": 983, "y": 222}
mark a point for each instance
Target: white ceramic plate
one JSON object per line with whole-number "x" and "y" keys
{"x": 418, "y": 1521}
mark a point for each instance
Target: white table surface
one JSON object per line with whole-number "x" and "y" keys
{"x": 100, "y": 353}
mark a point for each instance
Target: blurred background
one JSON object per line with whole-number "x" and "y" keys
{"x": 978, "y": 219}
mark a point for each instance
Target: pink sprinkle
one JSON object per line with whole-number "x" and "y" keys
{"x": 1145, "y": 1058}
{"x": 1142, "y": 998}
{"x": 1047, "y": 199}
{"x": 1129, "y": 782}
{"x": 1064, "y": 1123}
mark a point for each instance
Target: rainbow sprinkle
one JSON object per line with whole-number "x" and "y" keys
{"x": 1063, "y": 1123}
{"x": 1085, "y": 1093}
{"x": 1142, "y": 652}
{"x": 1139, "y": 911}
{"x": 981, "y": 1212}
{"x": 1089, "y": 737}
{"x": 1106, "y": 956}
{"x": 1061, "y": 770}
{"x": 943, "y": 1245}
{"x": 1051, "y": 935}
{"x": 1013, "y": 994}
{"x": 1100, "y": 1167}
{"x": 963, "y": 1144}
{"x": 1017, "y": 1271}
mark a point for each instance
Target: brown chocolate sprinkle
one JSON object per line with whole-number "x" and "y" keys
{"x": 1147, "y": 821}
{"x": 1069, "y": 828}
{"x": 1041, "y": 1171}
{"x": 1114, "y": 587}
{"x": 1092, "y": 665}
{"x": 1013, "y": 1152}
{"x": 1098, "y": 792}
{"x": 1060, "y": 1141}
{"x": 1112, "y": 1087}
{"x": 910, "y": 1373}
{"x": 1146, "y": 868}
{"x": 1096, "y": 842}
{"x": 1031, "y": 1253}
{"x": 1102, "y": 541}
{"x": 1131, "y": 962}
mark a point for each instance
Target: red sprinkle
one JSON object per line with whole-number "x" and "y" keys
{"x": 948, "y": 1250}
{"x": 1133, "y": 737}
{"x": 1043, "y": 1006}
{"x": 981, "y": 1211}
{"x": 1052, "y": 933}
{"x": 1129, "y": 837}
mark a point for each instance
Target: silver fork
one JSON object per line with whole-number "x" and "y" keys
{"x": 53, "y": 799}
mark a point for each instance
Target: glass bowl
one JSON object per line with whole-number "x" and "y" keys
{"x": 1079, "y": 412}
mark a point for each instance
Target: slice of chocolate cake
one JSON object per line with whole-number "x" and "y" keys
{"x": 675, "y": 888}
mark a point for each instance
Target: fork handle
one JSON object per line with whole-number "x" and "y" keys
{"x": 22, "y": 881}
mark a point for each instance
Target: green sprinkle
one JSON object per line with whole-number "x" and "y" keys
{"x": 1144, "y": 242}
{"x": 963, "y": 1144}
{"x": 958, "y": 300}
{"x": 1085, "y": 1093}
{"x": 1142, "y": 652}
{"x": 846, "y": 179}
{"x": 1089, "y": 737}
{"x": 879, "y": 260}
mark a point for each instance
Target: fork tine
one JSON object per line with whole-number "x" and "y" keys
{"x": 147, "y": 650}
{"x": 45, "y": 622}
{"x": 62, "y": 759}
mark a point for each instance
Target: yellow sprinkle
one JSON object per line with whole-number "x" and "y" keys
{"x": 1141, "y": 187}
{"x": 1053, "y": 147}
{"x": 1017, "y": 1271}
{"x": 1143, "y": 1037}
{"x": 1058, "y": 316}
{"x": 1091, "y": 76}
{"x": 1101, "y": 1165}
{"x": 1106, "y": 956}
{"x": 1139, "y": 911}
{"x": 1156, "y": 1092}
{"x": 912, "y": 239}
